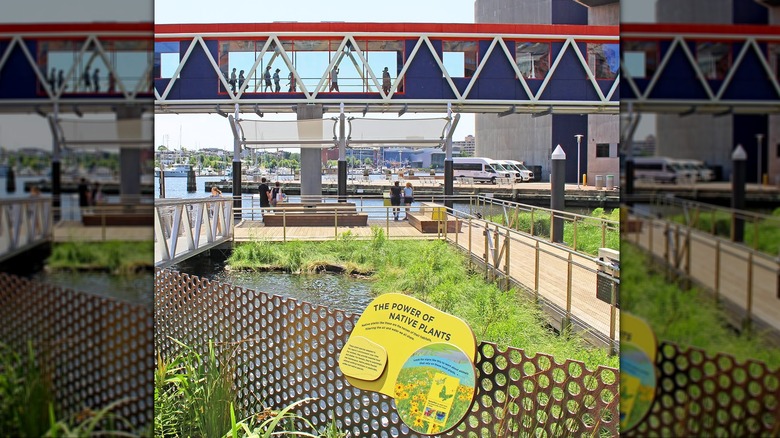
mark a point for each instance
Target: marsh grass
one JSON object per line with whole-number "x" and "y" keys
{"x": 118, "y": 257}
{"x": 435, "y": 273}
{"x": 26, "y": 393}
{"x": 685, "y": 317}
{"x": 764, "y": 236}
{"x": 589, "y": 230}
{"x": 88, "y": 423}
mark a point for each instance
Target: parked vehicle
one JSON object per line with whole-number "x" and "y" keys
{"x": 703, "y": 173}
{"x": 662, "y": 170}
{"x": 524, "y": 173}
{"x": 480, "y": 169}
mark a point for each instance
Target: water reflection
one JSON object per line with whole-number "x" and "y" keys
{"x": 137, "y": 289}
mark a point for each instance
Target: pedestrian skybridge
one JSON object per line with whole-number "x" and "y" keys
{"x": 386, "y": 67}
{"x": 700, "y": 68}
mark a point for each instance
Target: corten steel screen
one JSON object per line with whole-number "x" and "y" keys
{"x": 287, "y": 350}
{"x": 99, "y": 350}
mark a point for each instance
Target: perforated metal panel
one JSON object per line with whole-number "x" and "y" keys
{"x": 287, "y": 350}
{"x": 701, "y": 395}
{"x": 99, "y": 350}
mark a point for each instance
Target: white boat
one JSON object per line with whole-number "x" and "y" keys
{"x": 177, "y": 170}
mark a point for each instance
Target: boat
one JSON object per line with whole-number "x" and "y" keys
{"x": 177, "y": 170}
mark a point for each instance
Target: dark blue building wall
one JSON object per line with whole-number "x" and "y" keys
{"x": 568, "y": 12}
{"x": 745, "y": 129}
{"x": 18, "y": 78}
{"x": 564, "y": 128}
{"x": 749, "y": 12}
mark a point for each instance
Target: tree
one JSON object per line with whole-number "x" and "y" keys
{"x": 368, "y": 161}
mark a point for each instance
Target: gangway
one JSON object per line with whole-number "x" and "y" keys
{"x": 24, "y": 224}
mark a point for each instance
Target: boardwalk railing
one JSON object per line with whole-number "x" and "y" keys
{"x": 183, "y": 228}
{"x": 24, "y": 223}
{"x": 746, "y": 280}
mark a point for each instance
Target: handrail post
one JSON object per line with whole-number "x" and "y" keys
{"x": 471, "y": 254}
{"x": 749, "y": 307}
{"x": 536, "y": 272}
{"x": 532, "y": 220}
{"x": 575, "y": 234}
{"x": 387, "y": 221}
{"x": 567, "y": 322}
{"x": 613, "y": 316}
{"x": 604, "y": 234}
{"x": 335, "y": 223}
{"x": 284, "y": 225}
{"x": 507, "y": 239}
{"x": 717, "y": 270}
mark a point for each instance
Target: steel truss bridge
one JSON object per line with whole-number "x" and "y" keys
{"x": 484, "y": 68}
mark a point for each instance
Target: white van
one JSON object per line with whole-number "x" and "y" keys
{"x": 662, "y": 170}
{"x": 480, "y": 168}
{"x": 525, "y": 174}
{"x": 703, "y": 173}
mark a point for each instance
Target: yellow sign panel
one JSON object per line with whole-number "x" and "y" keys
{"x": 400, "y": 325}
{"x": 638, "y": 348}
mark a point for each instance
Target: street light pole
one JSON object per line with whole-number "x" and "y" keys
{"x": 579, "y": 139}
{"x": 759, "y": 137}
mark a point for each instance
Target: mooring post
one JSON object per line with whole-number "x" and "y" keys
{"x": 557, "y": 192}
{"x": 738, "y": 177}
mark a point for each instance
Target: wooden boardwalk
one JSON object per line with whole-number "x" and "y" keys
{"x": 592, "y": 314}
{"x": 75, "y": 231}
{"x": 747, "y": 280}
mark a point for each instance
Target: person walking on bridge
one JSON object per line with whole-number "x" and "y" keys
{"x": 277, "y": 87}
{"x": 386, "y": 81}
{"x": 267, "y": 79}
{"x": 334, "y": 79}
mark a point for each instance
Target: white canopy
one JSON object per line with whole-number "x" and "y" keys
{"x": 104, "y": 134}
{"x": 361, "y": 132}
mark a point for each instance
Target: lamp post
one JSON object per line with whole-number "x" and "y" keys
{"x": 759, "y": 137}
{"x": 579, "y": 139}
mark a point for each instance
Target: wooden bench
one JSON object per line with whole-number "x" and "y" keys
{"x": 315, "y": 214}
{"x": 430, "y": 216}
{"x": 133, "y": 216}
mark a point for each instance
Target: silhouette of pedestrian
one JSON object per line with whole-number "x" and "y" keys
{"x": 291, "y": 84}
{"x": 96, "y": 79}
{"x": 232, "y": 80}
{"x": 277, "y": 87}
{"x": 52, "y": 79}
{"x": 386, "y": 81}
{"x": 85, "y": 78}
{"x": 241, "y": 79}
{"x": 334, "y": 79}
{"x": 267, "y": 78}
{"x": 60, "y": 79}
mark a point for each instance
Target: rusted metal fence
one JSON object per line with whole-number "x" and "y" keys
{"x": 287, "y": 350}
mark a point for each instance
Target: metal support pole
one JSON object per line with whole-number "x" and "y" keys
{"x": 557, "y": 191}
{"x": 449, "y": 174}
{"x": 233, "y": 119}
{"x": 739, "y": 160}
{"x": 579, "y": 139}
{"x": 342, "y": 163}
{"x": 759, "y": 172}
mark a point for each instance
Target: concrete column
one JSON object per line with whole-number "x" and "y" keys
{"x": 311, "y": 164}
{"x": 738, "y": 177}
{"x": 129, "y": 160}
{"x": 10, "y": 181}
{"x": 557, "y": 191}
{"x": 342, "y": 164}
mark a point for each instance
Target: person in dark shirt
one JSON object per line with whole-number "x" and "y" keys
{"x": 277, "y": 87}
{"x": 265, "y": 196}
{"x": 395, "y": 198}
{"x": 267, "y": 79}
{"x": 83, "y": 189}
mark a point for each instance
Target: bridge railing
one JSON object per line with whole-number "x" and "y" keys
{"x": 721, "y": 221}
{"x": 185, "y": 227}
{"x": 24, "y": 223}
{"x": 744, "y": 280}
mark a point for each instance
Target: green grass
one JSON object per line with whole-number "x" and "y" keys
{"x": 685, "y": 317}
{"x": 435, "y": 273}
{"x": 26, "y": 393}
{"x": 589, "y": 231}
{"x": 765, "y": 237}
{"x": 114, "y": 256}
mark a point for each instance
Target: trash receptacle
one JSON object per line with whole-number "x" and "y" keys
{"x": 599, "y": 181}
{"x": 386, "y": 196}
{"x": 610, "y": 182}
{"x": 608, "y": 276}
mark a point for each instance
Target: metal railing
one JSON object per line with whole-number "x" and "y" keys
{"x": 183, "y": 228}
{"x": 24, "y": 223}
{"x": 746, "y": 280}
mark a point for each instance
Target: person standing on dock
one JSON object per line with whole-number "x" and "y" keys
{"x": 395, "y": 198}
{"x": 276, "y": 194}
{"x": 408, "y": 199}
{"x": 83, "y": 189}
{"x": 265, "y": 196}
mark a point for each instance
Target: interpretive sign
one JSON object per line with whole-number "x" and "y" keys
{"x": 421, "y": 356}
{"x": 638, "y": 349}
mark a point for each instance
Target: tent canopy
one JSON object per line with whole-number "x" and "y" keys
{"x": 103, "y": 134}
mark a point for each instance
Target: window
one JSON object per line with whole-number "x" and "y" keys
{"x": 166, "y": 59}
{"x": 640, "y": 58}
{"x": 714, "y": 59}
{"x": 533, "y": 59}
{"x": 602, "y": 150}
{"x": 604, "y": 60}
{"x": 459, "y": 58}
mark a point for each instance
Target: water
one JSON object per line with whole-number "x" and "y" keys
{"x": 335, "y": 291}
{"x": 136, "y": 289}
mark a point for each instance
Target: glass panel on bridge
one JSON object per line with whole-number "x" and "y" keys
{"x": 56, "y": 58}
{"x": 166, "y": 59}
{"x": 640, "y": 58}
{"x": 384, "y": 54}
{"x": 532, "y": 58}
{"x": 604, "y": 60}
{"x": 459, "y": 58}
{"x": 130, "y": 61}
{"x": 713, "y": 58}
